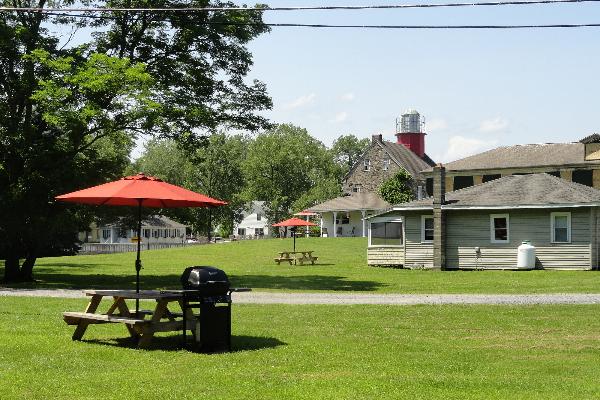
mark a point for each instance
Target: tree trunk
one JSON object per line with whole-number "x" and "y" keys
{"x": 11, "y": 269}
{"x": 27, "y": 268}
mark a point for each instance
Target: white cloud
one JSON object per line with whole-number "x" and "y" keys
{"x": 301, "y": 101}
{"x": 436, "y": 124}
{"x": 493, "y": 125}
{"x": 348, "y": 96}
{"x": 340, "y": 117}
{"x": 460, "y": 147}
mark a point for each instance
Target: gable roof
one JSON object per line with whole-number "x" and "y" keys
{"x": 154, "y": 221}
{"x": 402, "y": 156}
{"x": 407, "y": 159}
{"x": 524, "y": 156}
{"x": 355, "y": 202}
{"x": 516, "y": 191}
{"x": 593, "y": 138}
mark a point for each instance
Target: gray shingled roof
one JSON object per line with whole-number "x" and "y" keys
{"x": 155, "y": 221}
{"x": 407, "y": 159}
{"x": 593, "y": 138}
{"x": 357, "y": 201}
{"x": 523, "y": 156}
{"x": 536, "y": 190}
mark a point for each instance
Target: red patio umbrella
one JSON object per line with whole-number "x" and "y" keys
{"x": 140, "y": 191}
{"x": 293, "y": 223}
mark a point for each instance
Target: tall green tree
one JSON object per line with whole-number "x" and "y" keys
{"x": 214, "y": 170}
{"x": 347, "y": 149}
{"x": 68, "y": 115}
{"x": 398, "y": 188}
{"x": 198, "y": 60}
{"x": 288, "y": 168}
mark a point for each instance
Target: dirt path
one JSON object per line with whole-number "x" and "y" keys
{"x": 359, "y": 298}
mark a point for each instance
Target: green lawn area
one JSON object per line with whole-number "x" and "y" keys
{"x": 342, "y": 266}
{"x": 313, "y": 352}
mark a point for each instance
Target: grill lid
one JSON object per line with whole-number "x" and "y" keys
{"x": 208, "y": 280}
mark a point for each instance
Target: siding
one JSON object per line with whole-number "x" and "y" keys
{"x": 466, "y": 230}
{"x": 417, "y": 253}
{"x": 385, "y": 256}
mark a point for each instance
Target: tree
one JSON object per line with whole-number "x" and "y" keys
{"x": 214, "y": 170}
{"x": 397, "y": 189}
{"x": 288, "y": 168}
{"x": 347, "y": 149}
{"x": 68, "y": 115}
{"x": 198, "y": 60}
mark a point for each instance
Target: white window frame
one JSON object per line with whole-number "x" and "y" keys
{"x": 394, "y": 219}
{"x": 552, "y": 232}
{"x": 492, "y": 230}
{"x": 367, "y": 164}
{"x": 423, "y": 218}
{"x": 386, "y": 164}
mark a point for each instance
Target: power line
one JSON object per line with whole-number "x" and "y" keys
{"x": 415, "y": 27}
{"x": 310, "y": 8}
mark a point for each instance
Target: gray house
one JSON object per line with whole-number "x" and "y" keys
{"x": 481, "y": 227}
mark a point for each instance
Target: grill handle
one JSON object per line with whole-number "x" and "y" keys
{"x": 241, "y": 289}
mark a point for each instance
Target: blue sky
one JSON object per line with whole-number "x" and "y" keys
{"x": 476, "y": 89}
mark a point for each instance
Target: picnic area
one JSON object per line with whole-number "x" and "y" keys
{"x": 304, "y": 351}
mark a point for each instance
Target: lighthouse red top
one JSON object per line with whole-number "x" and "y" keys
{"x": 410, "y": 133}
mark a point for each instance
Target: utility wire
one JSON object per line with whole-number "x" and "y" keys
{"x": 416, "y": 27}
{"x": 313, "y": 8}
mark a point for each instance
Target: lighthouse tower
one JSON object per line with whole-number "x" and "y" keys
{"x": 409, "y": 131}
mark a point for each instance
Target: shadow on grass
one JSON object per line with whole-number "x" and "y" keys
{"x": 174, "y": 343}
{"x": 171, "y": 281}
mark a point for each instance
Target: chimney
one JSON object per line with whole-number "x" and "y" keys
{"x": 377, "y": 139}
{"x": 439, "y": 217}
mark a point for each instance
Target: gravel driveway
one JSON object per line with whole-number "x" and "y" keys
{"x": 358, "y": 298}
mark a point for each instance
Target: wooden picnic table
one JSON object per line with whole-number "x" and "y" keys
{"x": 161, "y": 319}
{"x": 296, "y": 257}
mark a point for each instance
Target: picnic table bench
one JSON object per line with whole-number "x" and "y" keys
{"x": 296, "y": 257}
{"x": 161, "y": 319}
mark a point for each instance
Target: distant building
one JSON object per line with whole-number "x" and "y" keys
{"x": 345, "y": 216}
{"x": 155, "y": 229}
{"x": 382, "y": 159}
{"x": 577, "y": 162}
{"x": 254, "y": 223}
{"x": 481, "y": 227}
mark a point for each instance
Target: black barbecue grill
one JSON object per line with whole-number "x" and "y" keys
{"x": 208, "y": 289}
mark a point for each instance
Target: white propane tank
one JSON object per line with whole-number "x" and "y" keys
{"x": 526, "y": 256}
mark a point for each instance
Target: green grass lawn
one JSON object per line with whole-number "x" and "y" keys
{"x": 313, "y": 352}
{"x": 342, "y": 266}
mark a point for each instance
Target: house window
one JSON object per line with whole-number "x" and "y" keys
{"x": 343, "y": 219}
{"x": 561, "y": 227}
{"x": 429, "y": 186}
{"x": 489, "y": 178}
{"x": 386, "y": 234}
{"x": 366, "y": 165}
{"x": 426, "y": 228}
{"x": 259, "y": 231}
{"x": 583, "y": 177}
{"x": 386, "y": 164}
{"x": 461, "y": 182}
{"x": 242, "y": 231}
{"x": 146, "y": 233}
{"x": 258, "y": 216}
{"x": 357, "y": 189}
{"x": 122, "y": 232}
{"x": 155, "y": 233}
{"x": 105, "y": 233}
{"x": 499, "y": 228}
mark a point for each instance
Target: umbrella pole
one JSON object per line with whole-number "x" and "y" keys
{"x": 138, "y": 261}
